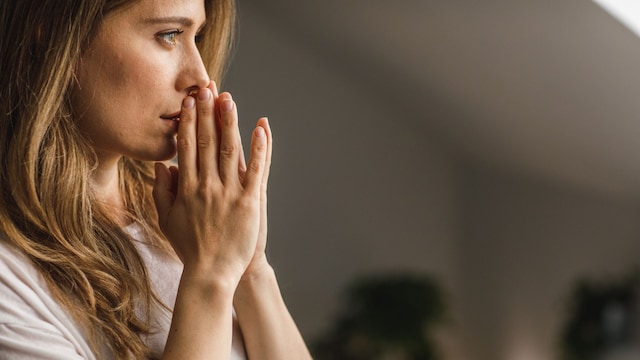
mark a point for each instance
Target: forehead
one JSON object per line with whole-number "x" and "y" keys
{"x": 142, "y": 10}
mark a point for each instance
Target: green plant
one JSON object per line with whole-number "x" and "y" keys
{"x": 601, "y": 317}
{"x": 386, "y": 316}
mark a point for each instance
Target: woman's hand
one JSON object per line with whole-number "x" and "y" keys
{"x": 214, "y": 213}
{"x": 259, "y": 261}
{"x": 211, "y": 209}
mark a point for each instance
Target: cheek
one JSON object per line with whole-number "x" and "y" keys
{"x": 141, "y": 85}
{"x": 115, "y": 88}
{"x": 122, "y": 83}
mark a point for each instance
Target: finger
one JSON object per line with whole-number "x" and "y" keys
{"x": 207, "y": 134}
{"x": 242, "y": 166}
{"x": 174, "y": 179}
{"x": 229, "y": 139}
{"x": 257, "y": 160}
{"x": 214, "y": 89}
{"x": 163, "y": 194}
{"x": 187, "y": 147}
{"x": 264, "y": 123}
{"x": 216, "y": 104}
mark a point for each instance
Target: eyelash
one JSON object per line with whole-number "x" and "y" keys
{"x": 170, "y": 36}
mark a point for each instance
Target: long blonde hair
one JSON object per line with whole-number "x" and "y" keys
{"x": 47, "y": 208}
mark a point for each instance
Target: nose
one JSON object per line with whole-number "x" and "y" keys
{"x": 193, "y": 73}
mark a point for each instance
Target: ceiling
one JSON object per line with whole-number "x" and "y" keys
{"x": 548, "y": 88}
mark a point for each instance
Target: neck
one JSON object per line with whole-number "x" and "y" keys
{"x": 105, "y": 182}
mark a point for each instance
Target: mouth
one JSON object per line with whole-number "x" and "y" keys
{"x": 173, "y": 116}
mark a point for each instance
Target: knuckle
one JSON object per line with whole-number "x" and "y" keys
{"x": 247, "y": 201}
{"x": 205, "y": 110}
{"x": 228, "y": 120}
{"x": 186, "y": 188}
{"x": 188, "y": 116}
{"x": 205, "y": 141}
{"x": 227, "y": 149}
{"x": 205, "y": 189}
{"x": 156, "y": 193}
{"x": 261, "y": 147}
{"x": 255, "y": 166}
{"x": 183, "y": 143}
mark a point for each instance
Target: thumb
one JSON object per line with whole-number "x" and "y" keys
{"x": 162, "y": 192}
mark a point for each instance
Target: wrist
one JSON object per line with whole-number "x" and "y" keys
{"x": 254, "y": 289}
{"x": 258, "y": 271}
{"x": 218, "y": 280}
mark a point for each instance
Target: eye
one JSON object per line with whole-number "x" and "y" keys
{"x": 170, "y": 37}
{"x": 198, "y": 38}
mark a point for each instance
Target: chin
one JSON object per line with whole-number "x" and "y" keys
{"x": 165, "y": 152}
{"x": 166, "y": 156}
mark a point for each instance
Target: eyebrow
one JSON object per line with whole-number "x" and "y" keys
{"x": 184, "y": 21}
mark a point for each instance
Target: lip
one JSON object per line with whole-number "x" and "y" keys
{"x": 172, "y": 116}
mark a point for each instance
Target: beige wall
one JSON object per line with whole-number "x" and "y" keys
{"x": 359, "y": 186}
{"x": 522, "y": 245}
{"x": 352, "y": 189}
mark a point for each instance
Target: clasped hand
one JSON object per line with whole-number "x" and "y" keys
{"x": 213, "y": 209}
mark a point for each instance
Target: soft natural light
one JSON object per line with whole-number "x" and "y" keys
{"x": 626, "y": 11}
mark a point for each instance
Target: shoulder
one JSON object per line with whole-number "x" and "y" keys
{"x": 32, "y": 323}
{"x": 20, "y": 282}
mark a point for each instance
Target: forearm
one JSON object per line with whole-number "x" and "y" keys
{"x": 201, "y": 326}
{"x": 267, "y": 326}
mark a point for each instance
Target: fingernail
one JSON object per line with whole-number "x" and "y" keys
{"x": 204, "y": 94}
{"x": 189, "y": 102}
{"x": 226, "y": 105}
{"x": 259, "y": 132}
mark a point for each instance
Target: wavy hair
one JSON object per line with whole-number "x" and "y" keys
{"x": 47, "y": 208}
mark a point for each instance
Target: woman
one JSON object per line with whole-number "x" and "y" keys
{"x": 105, "y": 254}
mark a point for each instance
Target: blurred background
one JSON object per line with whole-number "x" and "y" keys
{"x": 491, "y": 146}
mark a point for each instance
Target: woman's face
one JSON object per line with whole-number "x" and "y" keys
{"x": 135, "y": 74}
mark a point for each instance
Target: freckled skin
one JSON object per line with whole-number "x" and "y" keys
{"x": 132, "y": 74}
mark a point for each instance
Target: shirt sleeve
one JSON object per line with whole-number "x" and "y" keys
{"x": 18, "y": 342}
{"x": 32, "y": 323}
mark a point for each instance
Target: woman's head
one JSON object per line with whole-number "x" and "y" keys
{"x": 66, "y": 67}
{"x": 134, "y": 75}
{"x": 51, "y": 51}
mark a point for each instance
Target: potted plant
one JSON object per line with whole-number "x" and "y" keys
{"x": 601, "y": 319}
{"x": 386, "y": 317}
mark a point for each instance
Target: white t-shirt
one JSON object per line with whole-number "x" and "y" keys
{"x": 34, "y": 326}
